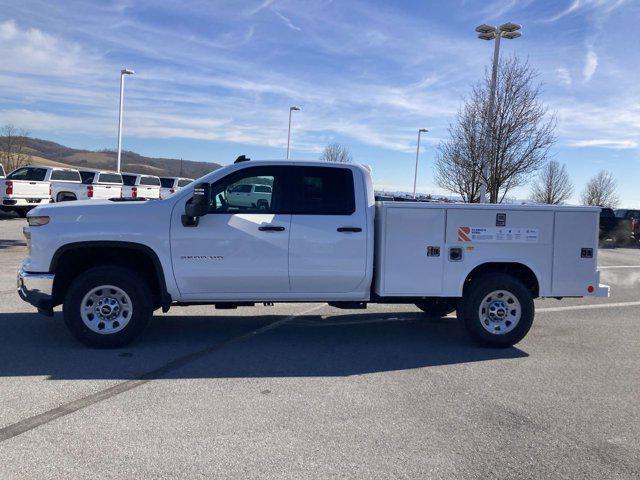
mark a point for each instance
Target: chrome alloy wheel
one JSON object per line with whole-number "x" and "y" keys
{"x": 500, "y": 312}
{"x": 106, "y": 309}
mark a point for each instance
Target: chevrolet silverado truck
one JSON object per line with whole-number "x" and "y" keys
{"x": 101, "y": 184}
{"x": 322, "y": 238}
{"x": 140, "y": 186}
{"x": 24, "y": 189}
{"x": 170, "y": 185}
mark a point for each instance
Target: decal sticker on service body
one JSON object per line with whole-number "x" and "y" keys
{"x": 498, "y": 234}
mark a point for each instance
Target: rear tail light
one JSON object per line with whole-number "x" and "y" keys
{"x": 90, "y": 191}
{"x": 50, "y": 190}
{"x": 134, "y": 192}
{"x": 9, "y": 187}
{"x": 172, "y": 190}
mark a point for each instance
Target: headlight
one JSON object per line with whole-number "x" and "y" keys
{"x": 37, "y": 221}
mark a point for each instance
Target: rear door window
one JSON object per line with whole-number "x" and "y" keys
{"x": 184, "y": 182}
{"x": 323, "y": 191}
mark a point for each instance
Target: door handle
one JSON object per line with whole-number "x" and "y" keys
{"x": 349, "y": 229}
{"x": 270, "y": 228}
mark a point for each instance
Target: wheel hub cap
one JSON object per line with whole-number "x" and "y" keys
{"x": 106, "y": 309}
{"x": 499, "y": 312}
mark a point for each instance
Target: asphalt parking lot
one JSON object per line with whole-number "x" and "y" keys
{"x": 306, "y": 391}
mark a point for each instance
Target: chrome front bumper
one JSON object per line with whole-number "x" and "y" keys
{"x": 36, "y": 288}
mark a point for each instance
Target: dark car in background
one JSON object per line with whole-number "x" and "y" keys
{"x": 614, "y": 228}
{"x": 632, "y": 221}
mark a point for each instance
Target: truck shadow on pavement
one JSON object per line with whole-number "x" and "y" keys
{"x": 224, "y": 347}
{"x": 11, "y": 243}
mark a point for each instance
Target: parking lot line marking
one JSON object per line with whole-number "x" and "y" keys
{"x": 619, "y": 266}
{"x": 589, "y": 307}
{"x": 34, "y": 421}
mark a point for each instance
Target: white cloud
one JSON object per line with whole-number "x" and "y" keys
{"x": 590, "y": 65}
{"x": 563, "y": 75}
{"x": 605, "y": 143}
{"x": 598, "y": 6}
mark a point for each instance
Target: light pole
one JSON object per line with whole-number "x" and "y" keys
{"x": 291, "y": 109}
{"x": 123, "y": 72}
{"x": 415, "y": 175}
{"x": 489, "y": 32}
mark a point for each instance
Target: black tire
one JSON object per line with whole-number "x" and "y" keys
{"x": 437, "y": 307}
{"x": 123, "y": 278}
{"x": 480, "y": 288}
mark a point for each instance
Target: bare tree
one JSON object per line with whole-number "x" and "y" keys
{"x": 601, "y": 191}
{"x": 13, "y": 152}
{"x": 334, "y": 152}
{"x": 521, "y": 134}
{"x": 552, "y": 185}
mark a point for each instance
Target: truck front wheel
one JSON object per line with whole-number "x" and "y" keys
{"x": 107, "y": 306}
{"x": 497, "y": 310}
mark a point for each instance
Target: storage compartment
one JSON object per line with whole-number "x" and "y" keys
{"x": 409, "y": 250}
{"x": 575, "y": 256}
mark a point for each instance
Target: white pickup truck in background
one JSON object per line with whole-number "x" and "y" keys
{"x": 322, "y": 238}
{"x": 101, "y": 184}
{"x": 251, "y": 195}
{"x": 140, "y": 186}
{"x": 24, "y": 189}
{"x": 170, "y": 185}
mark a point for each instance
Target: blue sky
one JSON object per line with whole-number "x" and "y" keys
{"x": 215, "y": 79}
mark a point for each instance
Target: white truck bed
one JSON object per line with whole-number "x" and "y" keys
{"x": 414, "y": 243}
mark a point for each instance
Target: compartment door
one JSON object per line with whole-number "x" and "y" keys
{"x": 414, "y": 251}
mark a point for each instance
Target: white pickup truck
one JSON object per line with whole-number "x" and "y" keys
{"x": 101, "y": 184}
{"x": 140, "y": 186}
{"x": 323, "y": 238}
{"x": 25, "y": 188}
{"x": 170, "y": 185}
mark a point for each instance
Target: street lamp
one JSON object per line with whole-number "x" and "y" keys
{"x": 291, "y": 109}
{"x": 415, "y": 175}
{"x": 123, "y": 72}
{"x": 509, "y": 31}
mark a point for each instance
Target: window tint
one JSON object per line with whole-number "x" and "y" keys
{"x": 607, "y": 212}
{"x": 129, "y": 180}
{"x": 110, "y": 178}
{"x": 31, "y": 174}
{"x": 262, "y": 189}
{"x": 153, "y": 181}
{"x": 324, "y": 191}
{"x": 184, "y": 182}
{"x": 65, "y": 175}
{"x": 166, "y": 182}
{"x": 1, "y": 171}
{"x": 234, "y": 193}
{"x": 87, "y": 177}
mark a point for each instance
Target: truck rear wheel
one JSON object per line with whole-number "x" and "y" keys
{"x": 438, "y": 307}
{"x": 107, "y": 306}
{"x": 497, "y": 310}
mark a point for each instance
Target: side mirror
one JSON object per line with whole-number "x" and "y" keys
{"x": 198, "y": 206}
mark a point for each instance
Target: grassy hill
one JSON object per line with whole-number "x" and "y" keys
{"x": 44, "y": 152}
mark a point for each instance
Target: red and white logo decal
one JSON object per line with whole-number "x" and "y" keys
{"x": 463, "y": 234}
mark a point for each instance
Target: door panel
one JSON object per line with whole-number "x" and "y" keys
{"x": 321, "y": 259}
{"x": 229, "y": 253}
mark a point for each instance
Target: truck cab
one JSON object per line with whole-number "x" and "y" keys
{"x": 170, "y": 185}
{"x": 26, "y": 188}
{"x": 319, "y": 237}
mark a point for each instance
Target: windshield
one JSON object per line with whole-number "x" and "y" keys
{"x": 129, "y": 180}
